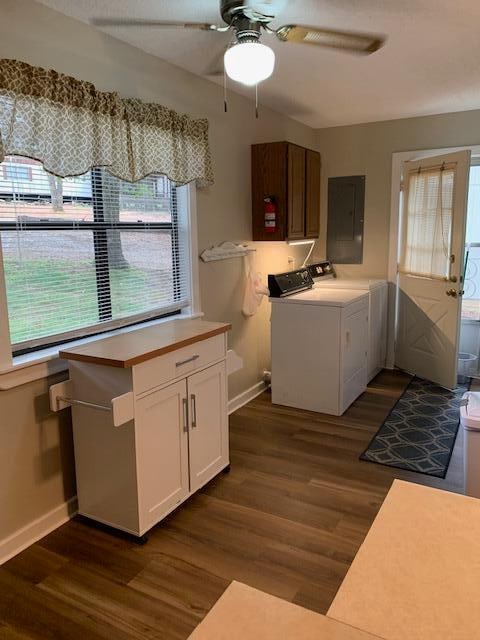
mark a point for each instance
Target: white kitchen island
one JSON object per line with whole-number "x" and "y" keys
{"x": 165, "y": 387}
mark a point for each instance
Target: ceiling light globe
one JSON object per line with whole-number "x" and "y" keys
{"x": 249, "y": 62}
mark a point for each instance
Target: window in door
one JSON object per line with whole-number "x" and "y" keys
{"x": 428, "y": 222}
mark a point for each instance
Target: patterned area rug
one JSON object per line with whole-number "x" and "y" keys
{"x": 420, "y": 432}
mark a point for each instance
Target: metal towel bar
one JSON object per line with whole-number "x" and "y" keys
{"x": 121, "y": 407}
{"x": 84, "y": 403}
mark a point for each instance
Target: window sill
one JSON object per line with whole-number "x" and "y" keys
{"x": 45, "y": 362}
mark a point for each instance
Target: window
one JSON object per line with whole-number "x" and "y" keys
{"x": 471, "y": 297}
{"x": 428, "y": 222}
{"x": 90, "y": 253}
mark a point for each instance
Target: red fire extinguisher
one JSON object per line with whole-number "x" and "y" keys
{"x": 270, "y": 212}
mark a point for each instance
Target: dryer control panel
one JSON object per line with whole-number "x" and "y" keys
{"x": 284, "y": 284}
{"x": 322, "y": 270}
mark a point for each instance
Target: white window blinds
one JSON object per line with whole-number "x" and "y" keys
{"x": 428, "y": 222}
{"x": 89, "y": 253}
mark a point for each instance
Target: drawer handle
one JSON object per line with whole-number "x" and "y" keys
{"x": 185, "y": 414}
{"x": 193, "y": 399}
{"x": 192, "y": 359}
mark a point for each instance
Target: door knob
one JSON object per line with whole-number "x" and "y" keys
{"x": 451, "y": 292}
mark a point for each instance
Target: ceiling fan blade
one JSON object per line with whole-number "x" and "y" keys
{"x": 133, "y": 22}
{"x": 349, "y": 41}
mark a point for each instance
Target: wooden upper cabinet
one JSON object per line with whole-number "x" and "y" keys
{"x": 290, "y": 175}
{"x": 312, "y": 194}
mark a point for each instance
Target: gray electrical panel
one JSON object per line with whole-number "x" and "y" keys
{"x": 346, "y": 205}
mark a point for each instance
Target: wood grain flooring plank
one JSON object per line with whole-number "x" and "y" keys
{"x": 229, "y": 566}
{"x": 83, "y": 543}
{"x": 180, "y": 584}
{"x": 125, "y": 610}
{"x": 31, "y": 613}
{"x": 34, "y": 564}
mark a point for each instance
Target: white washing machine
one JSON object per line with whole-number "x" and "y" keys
{"x": 323, "y": 275}
{"x": 319, "y": 338}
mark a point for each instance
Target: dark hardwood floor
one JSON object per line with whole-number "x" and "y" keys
{"x": 288, "y": 519}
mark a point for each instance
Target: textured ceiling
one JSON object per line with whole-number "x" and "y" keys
{"x": 430, "y": 63}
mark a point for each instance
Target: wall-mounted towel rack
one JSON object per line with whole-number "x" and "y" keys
{"x": 84, "y": 403}
{"x": 224, "y": 251}
{"x": 121, "y": 407}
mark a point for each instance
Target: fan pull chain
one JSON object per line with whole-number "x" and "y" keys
{"x": 256, "y": 101}
{"x": 225, "y": 107}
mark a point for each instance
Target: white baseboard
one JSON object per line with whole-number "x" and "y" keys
{"x": 37, "y": 529}
{"x": 247, "y": 395}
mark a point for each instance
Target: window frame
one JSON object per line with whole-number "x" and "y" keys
{"x": 475, "y": 162}
{"x": 43, "y": 359}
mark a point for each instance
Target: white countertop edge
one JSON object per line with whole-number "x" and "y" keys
{"x": 45, "y": 362}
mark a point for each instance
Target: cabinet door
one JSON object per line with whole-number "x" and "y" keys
{"x": 161, "y": 424}
{"x": 312, "y": 194}
{"x": 296, "y": 192}
{"x": 355, "y": 343}
{"x": 269, "y": 178}
{"x": 208, "y": 437}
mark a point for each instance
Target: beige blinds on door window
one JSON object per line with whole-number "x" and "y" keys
{"x": 428, "y": 222}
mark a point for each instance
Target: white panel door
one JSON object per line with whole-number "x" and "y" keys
{"x": 428, "y": 297}
{"x": 162, "y": 452}
{"x": 208, "y": 437}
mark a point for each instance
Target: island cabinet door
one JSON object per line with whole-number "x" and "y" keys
{"x": 207, "y": 394}
{"x": 161, "y": 425}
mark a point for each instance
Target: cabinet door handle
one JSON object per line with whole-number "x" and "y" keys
{"x": 185, "y": 414}
{"x": 193, "y": 399}
{"x": 194, "y": 357}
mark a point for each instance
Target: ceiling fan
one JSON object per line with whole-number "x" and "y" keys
{"x": 246, "y": 59}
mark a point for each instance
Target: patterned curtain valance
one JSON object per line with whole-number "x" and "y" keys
{"x": 70, "y": 127}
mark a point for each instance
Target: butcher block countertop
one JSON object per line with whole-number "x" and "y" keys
{"x": 132, "y": 347}
{"x": 417, "y": 574}
{"x": 244, "y": 613}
